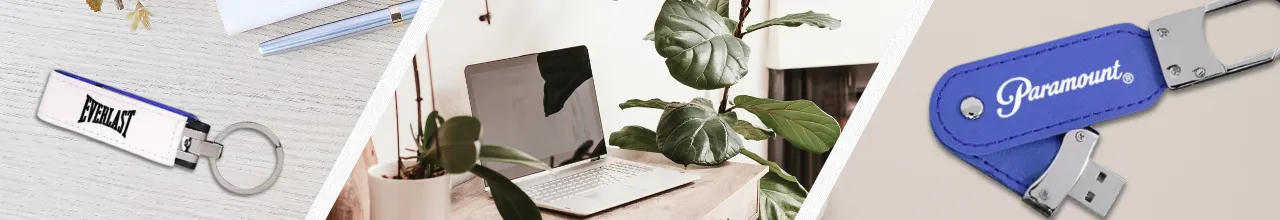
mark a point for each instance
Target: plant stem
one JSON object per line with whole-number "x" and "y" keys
{"x": 399, "y": 163}
{"x": 742, "y": 18}
{"x": 737, "y": 32}
{"x": 724, "y": 100}
{"x": 417, "y": 85}
{"x": 755, "y": 157}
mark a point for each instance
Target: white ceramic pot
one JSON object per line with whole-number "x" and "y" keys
{"x": 392, "y": 199}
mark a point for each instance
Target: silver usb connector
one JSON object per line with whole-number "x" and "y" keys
{"x": 1073, "y": 174}
{"x": 1097, "y": 188}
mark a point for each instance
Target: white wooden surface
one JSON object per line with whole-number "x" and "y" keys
{"x": 310, "y": 98}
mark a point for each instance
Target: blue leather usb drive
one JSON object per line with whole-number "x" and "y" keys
{"x": 1023, "y": 117}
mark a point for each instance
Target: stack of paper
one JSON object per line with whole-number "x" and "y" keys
{"x": 242, "y": 15}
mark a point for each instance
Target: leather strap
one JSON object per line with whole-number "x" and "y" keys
{"x": 149, "y": 129}
{"x": 1005, "y": 115}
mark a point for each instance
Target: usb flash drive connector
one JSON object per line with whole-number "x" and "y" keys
{"x": 1073, "y": 174}
{"x": 1097, "y": 188}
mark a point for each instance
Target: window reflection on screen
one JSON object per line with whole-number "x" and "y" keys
{"x": 518, "y": 101}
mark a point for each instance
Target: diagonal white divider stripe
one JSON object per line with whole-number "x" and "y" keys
{"x": 815, "y": 205}
{"x": 413, "y": 39}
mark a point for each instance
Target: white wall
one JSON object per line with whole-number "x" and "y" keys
{"x": 868, "y": 27}
{"x": 625, "y": 67}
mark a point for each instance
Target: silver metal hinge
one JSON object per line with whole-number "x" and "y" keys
{"x": 194, "y": 145}
{"x": 1073, "y": 174}
{"x": 1184, "y": 53}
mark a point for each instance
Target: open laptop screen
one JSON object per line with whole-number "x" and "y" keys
{"x": 543, "y": 104}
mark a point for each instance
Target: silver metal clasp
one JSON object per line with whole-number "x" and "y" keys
{"x": 1073, "y": 174}
{"x": 1184, "y": 53}
{"x": 195, "y": 145}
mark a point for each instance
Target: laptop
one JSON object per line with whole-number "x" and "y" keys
{"x": 545, "y": 105}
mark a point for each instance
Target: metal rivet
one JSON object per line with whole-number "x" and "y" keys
{"x": 1080, "y": 136}
{"x": 1164, "y": 32}
{"x": 971, "y": 108}
{"x": 1044, "y": 195}
{"x": 1199, "y": 72}
{"x": 1175, "y": 70}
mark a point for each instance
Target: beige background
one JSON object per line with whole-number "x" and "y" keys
{"x": 1206, "y": 152}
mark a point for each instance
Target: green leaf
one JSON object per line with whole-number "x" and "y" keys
{"x": 720, "y": 6}
{"x": 495, "y": 153}
{"x": 794, "y": 20}
{"x": 780, "y": 198}
{"x": 781, "y": 195}
{"x": 800, "y": 122}
{"x": 699, "y": 46}
{"x": 458, "y": 137}
{"x": 635, "y": 137}
{"x": 563, "y": 71}
{"x": 427, "y": 133}
{"x": 511, "y": 201}
{"x": 773, "y": 167}
{"x": 651, "y": 103}
{"x": 695, "y": 133}
{"x": 426, "y": 140}
{"x": 751, "y": 132}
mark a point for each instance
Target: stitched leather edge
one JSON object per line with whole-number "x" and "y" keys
{"x": 938, "y": 98}
{"x": 987, "y": 164}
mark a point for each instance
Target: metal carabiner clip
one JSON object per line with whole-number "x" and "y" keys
{"x": 1181, "y": 46}
{"x": 195, "y": 145}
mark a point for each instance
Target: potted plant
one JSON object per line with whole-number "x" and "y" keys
{"x": 704, "y": 50}
{"x": 418, "y": 186}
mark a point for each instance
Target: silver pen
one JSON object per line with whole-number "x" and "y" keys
{"x": 342, "y": 29}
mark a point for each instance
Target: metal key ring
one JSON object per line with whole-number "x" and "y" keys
{"x": 275, "y": 142}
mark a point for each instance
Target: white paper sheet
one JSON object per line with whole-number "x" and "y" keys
{"x": 242, "y": 15}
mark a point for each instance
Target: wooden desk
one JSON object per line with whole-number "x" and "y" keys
{"x": 310, "y": 98}
{"x": 725, "y": 192}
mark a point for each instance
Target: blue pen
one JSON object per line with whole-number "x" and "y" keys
{"x": 342, "y": 29}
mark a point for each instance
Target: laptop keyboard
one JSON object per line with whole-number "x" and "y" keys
{"x": 585, "y": 181}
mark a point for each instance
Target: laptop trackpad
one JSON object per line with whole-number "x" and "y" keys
{"x": 615, "y": 191}
{"x": 607, "y": 197}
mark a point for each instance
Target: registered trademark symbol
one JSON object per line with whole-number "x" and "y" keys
{"x": 1128, "y": 78}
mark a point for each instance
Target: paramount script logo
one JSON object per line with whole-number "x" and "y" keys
{"x": 97, "y": 113}
{"x": 1026, "y": 91}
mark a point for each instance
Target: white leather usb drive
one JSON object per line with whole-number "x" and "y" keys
{"x": 157, "y": 132}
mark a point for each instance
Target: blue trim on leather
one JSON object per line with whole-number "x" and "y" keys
{"x": 131, "y": 95}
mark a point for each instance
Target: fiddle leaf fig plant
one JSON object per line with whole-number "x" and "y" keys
{"x": 704, "y": 50}
{"x": 449, "y": 147}
{"x": 696, "y": 133}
